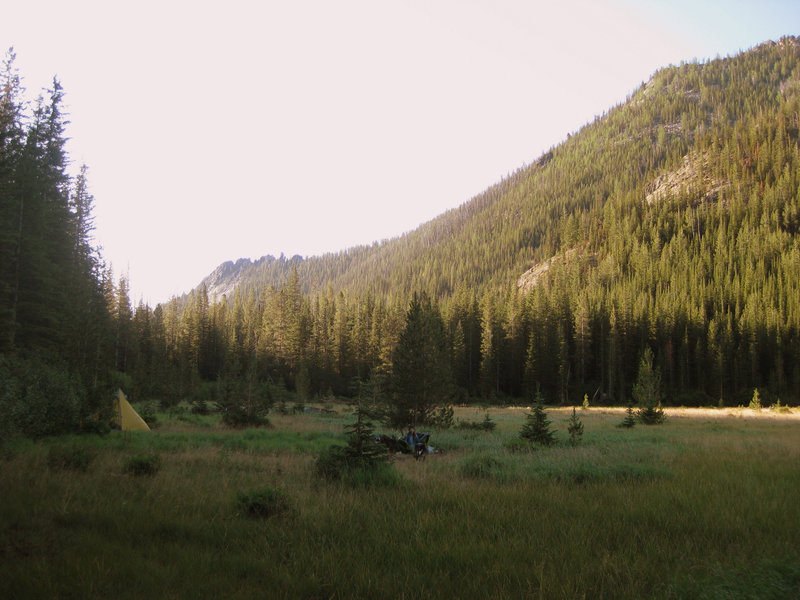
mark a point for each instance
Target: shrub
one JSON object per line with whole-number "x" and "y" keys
{"x": 246, "y": 401}
{"x": 652, "y": 415}
{"x": 486, "y": 425}
{"x": 73, "y": 457}
{"x": 39, "y": 398}
{"x": 778, "y": 407}
{"x": 200, "y": 407}
{"x": 442, "y": 418}
{"x": 240, "y": 417}
{"x": 143, "y": 464}
{"x": 148, "y": 414}
{"x": 263, "y": 503}
{"x": 96, "y": 427}
{"x": 331, "y": 463}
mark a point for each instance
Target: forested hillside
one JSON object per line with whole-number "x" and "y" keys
{"x": 670, "y": 223}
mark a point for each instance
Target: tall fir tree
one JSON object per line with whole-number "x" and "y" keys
{"x": 421, "y": 378}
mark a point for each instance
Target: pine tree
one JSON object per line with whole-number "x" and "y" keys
{"x": 755, "y": 401}
{"x": 575, "y": 429}
{"x": 421, "y": 377}
{"x": 11, "y": 218}
{"x": 629, "y": 421}
{"x": 361, "y": 446}
{"x": 536, "y": 428}
{"x": 41, "y": 308}
{"x": 647, "y": 391}
{"x": 362, "y": 460}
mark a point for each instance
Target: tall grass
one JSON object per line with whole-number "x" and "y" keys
{"x": 693, "y": 508}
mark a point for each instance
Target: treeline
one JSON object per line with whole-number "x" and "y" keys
{"x": 55, "y": 328}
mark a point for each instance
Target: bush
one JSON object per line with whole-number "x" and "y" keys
{"x": 240, "y": 418}
{"x": 39, "y": 398}
{"x": 95, "y": 427}
{"x": 200, "y": 407}
{"x": 486, "y": 425}
{"x": 262, "y": 503}
{"x": 778, "y": 407}
{"x": 143, "y": 464}
{"x": 245, "y": 402}
{"x": 652, "y": 415}
{"x": 442, "y": 418}
{"x": 72, "y": 457}
{"x": 148, "y": 414}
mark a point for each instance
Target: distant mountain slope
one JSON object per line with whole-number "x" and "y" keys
{"x": 690, "y": 134}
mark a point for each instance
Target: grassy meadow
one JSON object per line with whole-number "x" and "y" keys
{"x": 706, "y": 505}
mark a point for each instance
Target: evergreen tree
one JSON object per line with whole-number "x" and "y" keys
{"x": 575, "y": 429}
{"x": 629, "y": 421}
{"x": 647, "y": 391}
{"x": 421, "y": 377}
{"x": 536, "y": 428}
{"x": 755, "y": 401}
{"x": 12, "y": 136}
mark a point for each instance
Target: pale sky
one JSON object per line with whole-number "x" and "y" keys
{"x": 220, "y": 130}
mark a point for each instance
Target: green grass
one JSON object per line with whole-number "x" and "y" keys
{"x": 699, "y": 507}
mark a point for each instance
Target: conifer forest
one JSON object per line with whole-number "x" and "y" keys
{"x": 668, "y": 225}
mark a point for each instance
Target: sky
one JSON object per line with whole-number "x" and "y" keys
{"x": 215, "y": 131}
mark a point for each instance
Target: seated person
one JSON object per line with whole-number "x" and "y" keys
{"x": 416, "y": 441}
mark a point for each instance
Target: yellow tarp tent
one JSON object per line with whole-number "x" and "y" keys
{"x": 125, "y": 417}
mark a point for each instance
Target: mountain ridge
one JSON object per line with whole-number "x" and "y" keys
{"x": 524, "y": 210}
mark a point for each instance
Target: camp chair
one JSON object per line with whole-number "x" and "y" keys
{"x": 421, "y": 447}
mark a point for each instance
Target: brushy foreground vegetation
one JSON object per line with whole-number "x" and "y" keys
{"x": 704, "y": 506}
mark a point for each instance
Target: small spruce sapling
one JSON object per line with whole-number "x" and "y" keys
{"x": 647, "y": 391}
{"x": 585, "y": 405}
{"x": 537, "y": 427}
{"x": 575, "y": 429}
{"x": 755, "y": 401}
{"x": 629, "y": 421}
